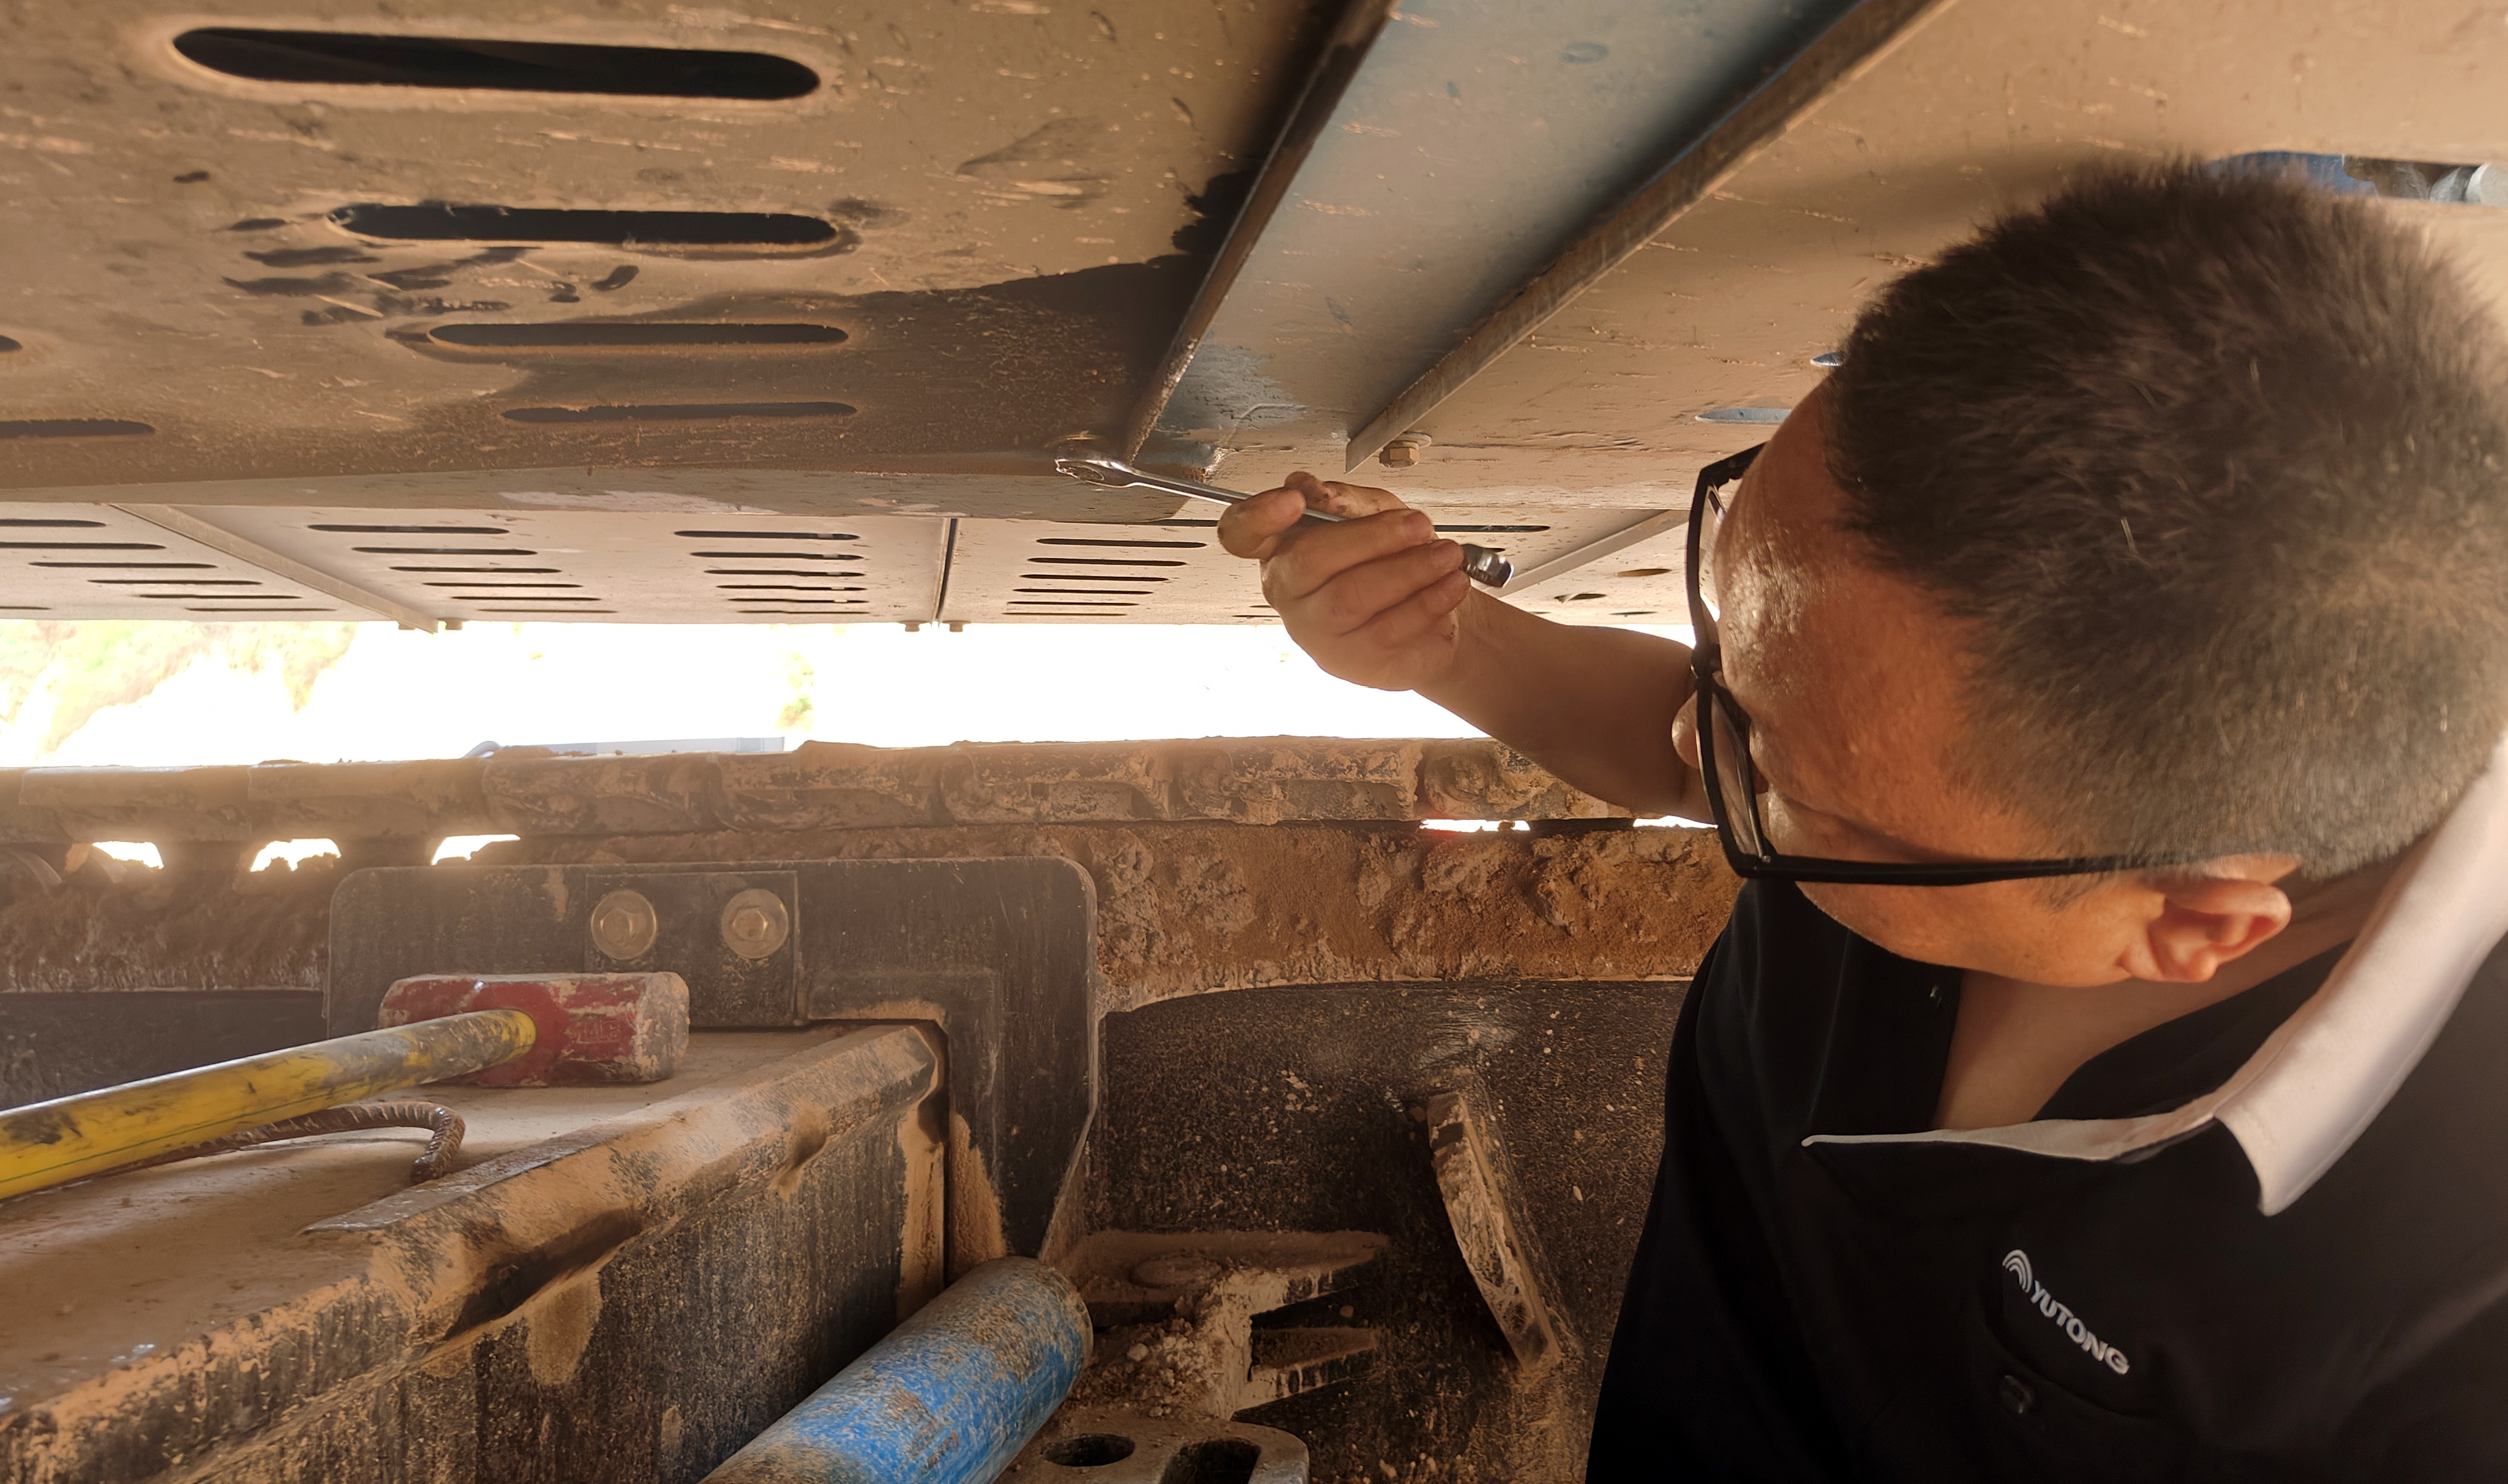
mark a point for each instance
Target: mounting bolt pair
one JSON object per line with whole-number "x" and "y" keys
{"x": 755, "y": 924}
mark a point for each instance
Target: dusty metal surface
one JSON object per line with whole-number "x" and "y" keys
{"x": 999, "y": 954}
{"x": 983, "y": 203}
{"x": 625, "y": 1283}
{"x": 1183, "y": 909}
{"x": 1116, "y": 1445}
{"x": 54, "y": 1045}
{"x": 1289, "y": 1110}
{"x": 873, "y": 270}
{"x": 1478, "y": 1192}
{"x": 816, "y": 786}
{"x": 1182, "y": 1317}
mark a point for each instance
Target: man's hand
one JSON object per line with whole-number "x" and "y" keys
{"x": 1372, "y": 599}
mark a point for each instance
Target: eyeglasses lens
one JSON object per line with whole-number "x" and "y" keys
{"x": 1708, "y": 526}
{"x": 1734, "y": 784}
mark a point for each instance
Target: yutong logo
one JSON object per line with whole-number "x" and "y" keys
{"x": 2016, "y": 1263}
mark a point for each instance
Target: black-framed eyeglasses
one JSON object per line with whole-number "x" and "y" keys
{"x": 1733, "y": 783}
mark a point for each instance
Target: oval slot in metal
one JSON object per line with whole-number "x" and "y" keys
{"x": 612, "y": 336}
{"x": 686, "y": 412}
{"x": 366, "y": 59}
{"x": 446, "y": 222}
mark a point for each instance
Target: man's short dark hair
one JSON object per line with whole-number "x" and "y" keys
{"x": 2218, "y": 466}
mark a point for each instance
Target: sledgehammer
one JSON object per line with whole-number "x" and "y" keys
{"x": 510, "y": 1030}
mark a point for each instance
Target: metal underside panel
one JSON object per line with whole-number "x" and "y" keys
{"x": 855, "y": 268}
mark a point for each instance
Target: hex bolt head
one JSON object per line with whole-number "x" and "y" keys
{"x": 1403, "y": 451}
{"x": 624, "y": 925}
{"x": 756, "y": 923}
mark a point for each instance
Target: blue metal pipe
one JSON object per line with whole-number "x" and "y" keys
{"x": 949, "y": 1397}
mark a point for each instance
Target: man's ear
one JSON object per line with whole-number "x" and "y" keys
{"x": 2200, "y": 922}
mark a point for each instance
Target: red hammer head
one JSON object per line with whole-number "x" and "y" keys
{"x": 591, "y": 1027}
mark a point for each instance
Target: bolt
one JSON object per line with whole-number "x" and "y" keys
{"x": 1403, "y": 451}
{"x": 756, "y": 923}
{"x": 624, "y": 925}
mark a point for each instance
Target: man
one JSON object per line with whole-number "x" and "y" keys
{"x": 2104, "y": 1074}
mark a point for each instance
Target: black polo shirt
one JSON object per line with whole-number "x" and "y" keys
{"x": 1825, "y": 1289}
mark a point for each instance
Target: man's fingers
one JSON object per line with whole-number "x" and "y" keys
{"x": 1349, "y": 600}
{"x": 1302, "y": 565}
{"x": 1253, "y": 529}
{"x": 1417, "y": 615}
{"x": 1352, "y": 500}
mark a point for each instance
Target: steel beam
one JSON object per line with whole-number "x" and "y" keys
{"x": 1762, "y": 110}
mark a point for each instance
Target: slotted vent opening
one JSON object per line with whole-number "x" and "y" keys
{"x": 128, "y": 566}
{"x": 1093, "y": 540}
{"x": 677, "y": 412}
{"x": 779, "y": 571}
{"x": 482, "y": 586}
{"x": 360, "y": 60}
{"x": 517, "y": 572}
{"x": 1499, "y": 530}
{"x": 413, "y": 529}
{"x": 73, "y": 427}
{"x": 778, "y": 556}
{"x": 447, "y": 222}
{"x": 636, "y": 336}
{"x": 80, "y": 546}
{"x": 470, "y": 551}
{"x": 1092, "y": 576}
{"x": 176, "y": 582}
{"x": 31, "y": 523}
{"x": 766, "y": 536}
{"x": 1108, "y": 560}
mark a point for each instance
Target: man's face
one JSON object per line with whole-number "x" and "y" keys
{"x": 1856, "y": 683}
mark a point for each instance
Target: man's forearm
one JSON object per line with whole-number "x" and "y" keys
{"x": 1594, "y": 706}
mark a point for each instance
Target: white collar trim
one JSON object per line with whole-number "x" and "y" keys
{"x": 2326, "y": 1074}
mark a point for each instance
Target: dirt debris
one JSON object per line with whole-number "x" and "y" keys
{"x": 1183, "y": 907}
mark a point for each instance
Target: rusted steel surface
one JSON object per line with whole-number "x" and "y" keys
{"x": 632, "y": 1285}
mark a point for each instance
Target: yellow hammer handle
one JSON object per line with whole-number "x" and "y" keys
{"x": 87, "y": 1134}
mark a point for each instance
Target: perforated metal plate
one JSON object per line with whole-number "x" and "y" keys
{"x": 77, "y": 561}
{"x": 649, "y": 568}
